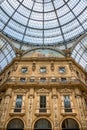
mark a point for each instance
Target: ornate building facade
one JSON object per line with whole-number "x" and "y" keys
{"x": 43, "y": 90}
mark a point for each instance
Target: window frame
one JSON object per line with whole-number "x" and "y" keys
{"x": 43, "y": 79}
{"x": 86, "y": 102}
{"x": 24, "y": 71}
{"x": 42, "y": 104}
{"x": 22, "y": 79}
{"x": 68, "y": 107}
{"x": 18, "y": 107}
{"x": 44, "y": 70}
{"x": 62, "y": 69}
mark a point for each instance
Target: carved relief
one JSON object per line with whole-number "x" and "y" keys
{"x": 81, "y": 111}
{"x": 15, "y": 66}
{"x": 55, "y": 111}
{"x": 43, "y": 91}
{"x": 30, "y": 111}
{"x": 3, "y": 109}
{"x": 66, "y": 90}
{"x": 20, "y": 90}
{"x": 5, "y": 76}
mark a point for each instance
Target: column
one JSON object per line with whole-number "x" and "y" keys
{"x": 80, "y": 108}
{"x": 30, "y": 109}
{"x": 55, "y": 109}
{"x": 5, "y": 106}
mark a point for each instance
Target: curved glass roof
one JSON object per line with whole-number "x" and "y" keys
{"x": 6, "y": 54}
{"x": 79, "y": 53}
{"x": 43, "y": 22}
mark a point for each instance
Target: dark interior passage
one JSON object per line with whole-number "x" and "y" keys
{"x": 70, "y": 124}
{"x": 42, "y": 124}
{"x": 15, "y": 124}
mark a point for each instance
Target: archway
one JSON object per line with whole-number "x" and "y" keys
{"x": 15, "y": 124}
{"x": 70, "y": 124}
{"x": 42, "y": 124}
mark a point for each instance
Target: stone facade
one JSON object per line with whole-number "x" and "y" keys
{"x": 59, "y": 77}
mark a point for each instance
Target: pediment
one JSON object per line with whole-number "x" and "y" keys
{"x": 42, "y": 91}
{"x": 65, "y": 90}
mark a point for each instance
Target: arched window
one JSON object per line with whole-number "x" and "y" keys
{"x": 15, "y": 124}
{"x": 42, "y": 124}
{"x": 70, "y": 124}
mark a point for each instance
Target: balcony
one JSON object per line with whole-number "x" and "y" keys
{"x": 42, "y": 112}
{"x": 68, "y": 111}
{"x": 43, "y": 81}
{"x": 17, "y": 111}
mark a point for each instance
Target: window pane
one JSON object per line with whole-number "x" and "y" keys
{"x": 42, "y": 104}
{"x": 18, "y": 104}
{"x": 67, "y": 104}
{"x": 43, "y": 69}
{"x": 24, "y": 69}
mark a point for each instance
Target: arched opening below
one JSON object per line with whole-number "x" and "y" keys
{"x": 70, "y": 124}
{"x": 42, "y": 124}
{"x": 15, "y": 124}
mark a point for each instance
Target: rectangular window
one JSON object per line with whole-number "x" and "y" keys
{"x": 52, "y": 66}
{"x": 63, "y": 80}
{"x": 86, "y": 102}
{"x": 22, "y": 79}
{"x": 42, "y": 104}
{"x": 67, "y": 104}
{"x": 43, "y": 69}
{"x": 42, "y": 79}
{"x": 33, "y": 66}
{"x": 32, "y": 79}
{"x": 62, "y": 70}
{"x": 53, "y": 80}
{"x": 18, "y": 104}
{"x": 0, "y": 100}
{"x": 24, "y": 69}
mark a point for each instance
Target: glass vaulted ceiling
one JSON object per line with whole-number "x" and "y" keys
{"x": 6, "y": 54}
{"x": 43, "y": 22}
{"x": 79, "y": 53}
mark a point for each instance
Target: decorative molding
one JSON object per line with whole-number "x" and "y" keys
{"x": 17, "y": 114}
{"x": 15, "y": 66}
{"x": 43, "y": 91}
{"x": 42, "y": 114}
{"x": 68, "y": 114}
{"x": 20, "y": 90}
{"x": 66, "y": 90}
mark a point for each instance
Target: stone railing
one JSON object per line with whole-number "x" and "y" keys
{"x": 45, "y": 80}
